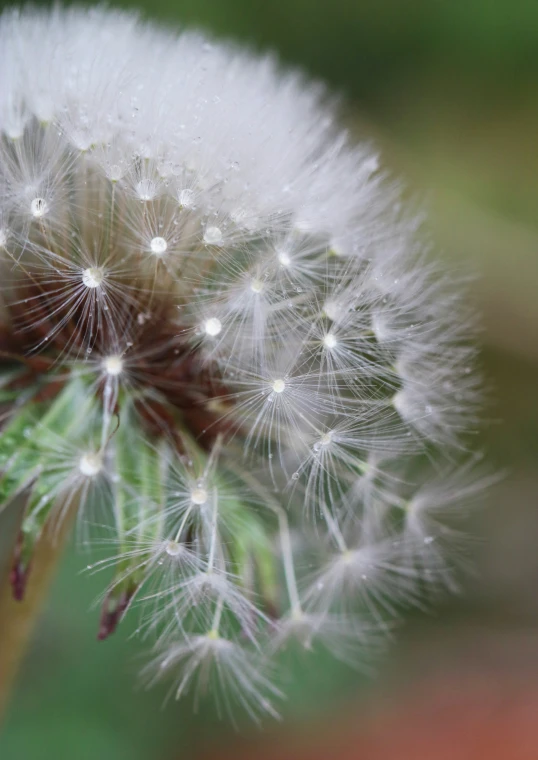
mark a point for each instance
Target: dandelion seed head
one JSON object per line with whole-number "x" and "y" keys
{"x": 293, "y": 354}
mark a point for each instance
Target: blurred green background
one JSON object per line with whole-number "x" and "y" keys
{"x": 449, "y": 91}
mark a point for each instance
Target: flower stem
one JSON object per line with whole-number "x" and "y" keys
{"x": 18, "y": 618}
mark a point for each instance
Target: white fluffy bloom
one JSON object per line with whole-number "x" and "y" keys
{"x": 189, "y": 240}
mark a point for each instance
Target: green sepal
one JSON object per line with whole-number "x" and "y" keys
{"x": 28, "y": 447}
{"x": 140, "y": 469}
{"x": 141, "y": 465}
{"x": 250, "y": 548}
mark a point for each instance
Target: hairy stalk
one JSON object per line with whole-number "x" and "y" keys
{"x": 18, "y": 618}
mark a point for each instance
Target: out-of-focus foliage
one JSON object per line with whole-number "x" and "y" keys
{"x": 449, "y": 91}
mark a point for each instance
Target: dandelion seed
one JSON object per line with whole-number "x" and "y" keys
{"x": 202, "y": 659}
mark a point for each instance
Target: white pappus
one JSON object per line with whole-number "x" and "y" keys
{"x": 190, "y": 244}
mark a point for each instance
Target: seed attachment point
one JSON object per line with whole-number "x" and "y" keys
{"x": 212, "y": 327}
{"x": 92, "y": 277}
{"x": 329, "y": 341}
{"x": 39, "y": 207}
{"x": 173, "y": 548}
{"x": 113, "y": 365}
{"x": 199, "y": 496}
{"x": 158, "y": 246}
{"x": 212, "y": 236}
{"x": 90, "y": 464}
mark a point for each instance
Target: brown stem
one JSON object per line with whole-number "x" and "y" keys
{"x": 18, "y": 618}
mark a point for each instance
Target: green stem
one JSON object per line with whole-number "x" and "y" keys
{"x": 18, "y": 618}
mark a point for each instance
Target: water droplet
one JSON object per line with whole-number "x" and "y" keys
{"x": 39, "y": 207}
{"x": 90, "y": 464}
{"x": 93, "y": 277}
{"x": 186, "y": 198}
{"x": 113, "y": 365}
{"x": 158, "y": 246}
{"x": 199, "y": 496}
{"x": 212, "y": 326}
{"x": 212, "y": 236}
{"x": 115, "y": 172}
{"x": 332, "y": 310}
{"x": 146, "y": 189}
{"x": 329, "y": 341}
{"x": 284, "y": 259}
